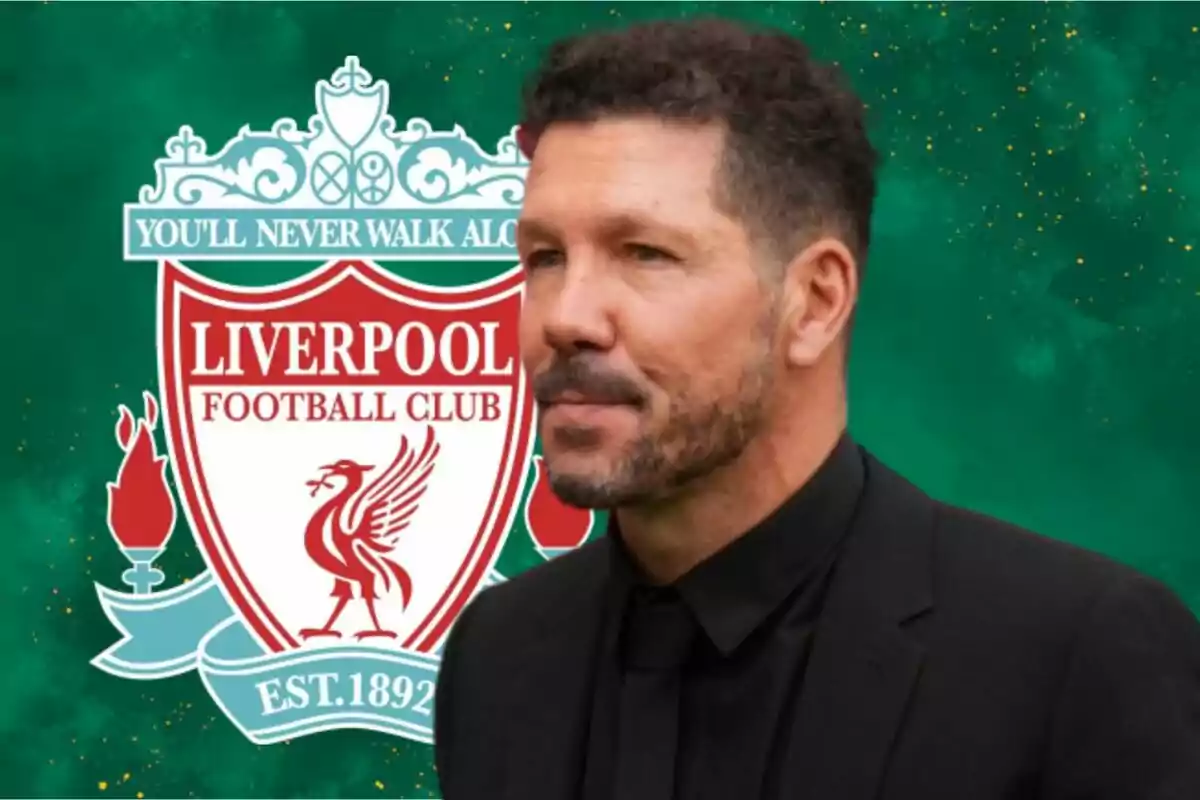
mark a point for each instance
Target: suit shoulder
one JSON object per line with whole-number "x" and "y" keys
{"x": 543, "y": 593}
{"x": 977, "y": 555}
{"x": 980, "y": 554}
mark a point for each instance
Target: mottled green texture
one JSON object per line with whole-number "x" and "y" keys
{"x": 1027, "y": 345}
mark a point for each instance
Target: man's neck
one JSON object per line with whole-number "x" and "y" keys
{"x": 668, "y": 539}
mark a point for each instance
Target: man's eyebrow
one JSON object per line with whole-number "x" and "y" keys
{"x": 617, "y": 226}
{"x": 533, "y": 228}
{"x": 623, "y": 225}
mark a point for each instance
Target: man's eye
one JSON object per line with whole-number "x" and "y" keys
{"x": 543, "y": 258}
{"x": 645, "y": 252}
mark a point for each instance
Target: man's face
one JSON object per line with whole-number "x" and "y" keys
{"x": 647, "y": 328}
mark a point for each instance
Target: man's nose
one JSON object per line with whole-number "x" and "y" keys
{"x": 579, "y": 317}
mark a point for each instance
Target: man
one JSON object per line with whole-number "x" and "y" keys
{"x": 773, "y": 613}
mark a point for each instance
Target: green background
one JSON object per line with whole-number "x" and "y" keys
{"x": 1027, "y": 346}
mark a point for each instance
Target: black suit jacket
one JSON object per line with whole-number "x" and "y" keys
{"x": 957, "y": 657}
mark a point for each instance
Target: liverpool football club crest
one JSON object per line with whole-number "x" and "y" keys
{"x": 350, "y": 449}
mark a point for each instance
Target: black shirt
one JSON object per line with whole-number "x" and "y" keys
{"x": 755, "y": 603}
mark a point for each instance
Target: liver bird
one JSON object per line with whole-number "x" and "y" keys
{"x": 352, "y": 535}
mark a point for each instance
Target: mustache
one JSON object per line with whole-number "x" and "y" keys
{"x": 582, "y": 377}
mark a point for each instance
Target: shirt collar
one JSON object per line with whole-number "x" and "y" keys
{"x": 732, "y": 592}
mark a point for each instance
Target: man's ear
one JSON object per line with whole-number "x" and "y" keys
{"x": 820, "y": 288}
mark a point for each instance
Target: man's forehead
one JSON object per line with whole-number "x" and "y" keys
{"x": 683, "y": 220}
{"x": 621, "y": 174}
{"x": 629, "y": 143}
{"x": 598, "y": 221}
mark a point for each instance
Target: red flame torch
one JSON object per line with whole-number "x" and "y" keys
{"x": 556, "y": 527}
{"x": 141, "y": 511}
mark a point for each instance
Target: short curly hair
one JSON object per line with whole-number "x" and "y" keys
{"x": 797, "y": 156}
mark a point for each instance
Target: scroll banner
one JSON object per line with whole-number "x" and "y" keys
{"x": 269, "y": 696}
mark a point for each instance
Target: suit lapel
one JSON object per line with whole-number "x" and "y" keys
{"x": 864, "y": 665}
{"x": 550, "y": 681}
{"x": 855, "y": 690}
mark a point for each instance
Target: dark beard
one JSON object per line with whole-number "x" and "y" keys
{"x": 697, "y": 440}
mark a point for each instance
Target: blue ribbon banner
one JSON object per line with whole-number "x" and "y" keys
{"x": 322, "y": 233}
{"x": 269, "y": 696}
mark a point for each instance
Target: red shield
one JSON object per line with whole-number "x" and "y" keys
{"x": 350, "y": 447}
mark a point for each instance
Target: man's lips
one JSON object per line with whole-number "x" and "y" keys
{"x": 583, "y": 401}
{"x": 577, "y": 399}
{"x": 577, "y": 409}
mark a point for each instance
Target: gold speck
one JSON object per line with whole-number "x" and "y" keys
{"x": 103, "y": 785}
{"x": 508, "y": 26}
{"x": 379, "y": 785}
{"x": 1079, "y": 260}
